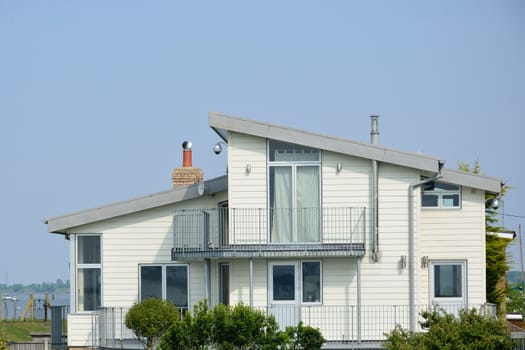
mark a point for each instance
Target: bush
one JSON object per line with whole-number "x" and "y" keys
{"x": 150, "y": 319}
{"x": 3, "y": 345}
{"x": 470, "y": 331}
{"x": 302, "y": 337}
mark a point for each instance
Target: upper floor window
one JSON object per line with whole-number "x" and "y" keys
{"x": 441, "y": 195}
{"x": 294, "y": 193}
{"x": 89, "y": 268}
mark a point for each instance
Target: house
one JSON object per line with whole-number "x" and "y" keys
{"x": 349, "y": 237}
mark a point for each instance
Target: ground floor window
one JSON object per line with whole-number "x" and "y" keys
{"x": 165, "y": 281}
{"x": 448, "y": 281}
{"x": 291, "y": 282}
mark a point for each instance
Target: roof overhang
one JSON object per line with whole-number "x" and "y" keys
{"x": 222, "y": 124}
{"x": 61, "y": 224}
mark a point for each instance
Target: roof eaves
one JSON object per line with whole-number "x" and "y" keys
{"x": 226, "y": 123}
{"x": 489, "y": 184}
{"x": 61, "y": 223}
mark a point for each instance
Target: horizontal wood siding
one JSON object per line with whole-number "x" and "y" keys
{"x": 82, "y": 330}
{"x": 385, "y": 282}
{"x": 141, "y": 238}
{"x": 457, "y": 234}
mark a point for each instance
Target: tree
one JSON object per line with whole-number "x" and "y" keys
{"x": 495, "y": 247}
{"x": 470, "y": 331}
{"x": 150, "y": 319}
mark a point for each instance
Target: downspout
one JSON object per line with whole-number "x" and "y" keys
{"x": 411, "y": 248}
{"x": 374, "y": 227}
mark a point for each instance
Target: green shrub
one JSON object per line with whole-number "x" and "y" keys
{"x": 302, "y": 337}
{"x": 470, "y": 331}
{"x": 3, "y": 345}
{"x": 150, "y": 319}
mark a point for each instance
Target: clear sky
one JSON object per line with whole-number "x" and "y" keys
{"x": 96, "y": 97}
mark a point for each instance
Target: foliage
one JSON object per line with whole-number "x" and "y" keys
{"x": 515, "y": 298}
{"x": 471, "y": 331}
{"x": 3, "y": 345}
{"x": 302, "y": 337}
{"x": 150, "y": 319}
{"x": 495, "y": 247}
{"x": 240, "y": 327}
{"x": 21, "y": 330}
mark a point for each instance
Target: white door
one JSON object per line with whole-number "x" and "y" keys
{"x": 284, "y": 293}
{"x": 448, "y": 284}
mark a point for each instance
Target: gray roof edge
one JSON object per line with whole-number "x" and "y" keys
{"x": 61, "y": 223}
{"x": 459, "y": 177}
{"x": 219, "y": 121}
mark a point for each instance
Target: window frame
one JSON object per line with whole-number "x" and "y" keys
{"x": 432, "y": 279}
{"x": 164, "y": 286}
{"x": 440, "y": 194}
{"x": 294, "y": 166}
{"x": 298, "y": 282}
{"x": 87, "y": 266}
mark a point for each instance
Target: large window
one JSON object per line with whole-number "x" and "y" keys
{"x": 166, "y": 281}
{"x": 441, "y": 195}
{"x": 89, "y": 267}
{"x": 294, "y": 193}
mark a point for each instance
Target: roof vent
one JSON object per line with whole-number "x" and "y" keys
{"x": 374, "y": 131}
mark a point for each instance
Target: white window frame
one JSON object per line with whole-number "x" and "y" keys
{"x": 294, "y": 165}
{"x": 440, "y": 194}
{"x": 79, "y": 266}
{"x": 298, "y": 283}
{"x": 164, "y": 280}
{"x": 462, "y": 300}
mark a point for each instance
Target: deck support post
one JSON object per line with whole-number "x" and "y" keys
{"x": 358, "y": 300}
{"x": 251, "y": 282}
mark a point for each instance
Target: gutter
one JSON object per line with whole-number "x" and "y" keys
{"x": 411, "y": 248}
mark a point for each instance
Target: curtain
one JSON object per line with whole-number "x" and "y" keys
{"x": 308, "y": 204}
{"x": 281, "y": 204}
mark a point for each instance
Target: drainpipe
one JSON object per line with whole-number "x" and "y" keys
{"x": 251, "y": 282}
{"x": 411, "y": 248}
{"x": 374, "y": 140}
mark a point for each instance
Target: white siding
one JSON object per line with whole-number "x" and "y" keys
{"x": 81, "y": 330}
{"x": 457, "y": 234}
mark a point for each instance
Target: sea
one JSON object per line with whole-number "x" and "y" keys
{"x": 13, "y": 308}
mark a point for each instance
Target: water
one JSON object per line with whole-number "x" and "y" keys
{"x": 14, "y": 309}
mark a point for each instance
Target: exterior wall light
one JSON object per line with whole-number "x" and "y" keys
{"x": 248, "y": 168}
{"x": 424, "y": 262}
{"x": 339, "y": 167}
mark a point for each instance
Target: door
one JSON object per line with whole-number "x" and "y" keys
{"x": 284, "y": 294}
{"x": 448, "y": 284}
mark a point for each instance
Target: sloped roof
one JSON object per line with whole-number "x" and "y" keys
{"x": 60, "y": 223}
{"x": 222, "y": 124}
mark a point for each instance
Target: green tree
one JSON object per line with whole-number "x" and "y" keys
{"x": 495, "y": 247}
{"x": 150, "y": 319}
{"x": 470, "y": 331}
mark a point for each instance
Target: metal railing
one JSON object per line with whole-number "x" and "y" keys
{"x": 269, "y": 232}
{"x": 337, "y": 323}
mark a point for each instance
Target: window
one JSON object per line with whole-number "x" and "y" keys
{"x": 224, "y": 283}
{"x": 285, "y": 287}
{"x": 441, "y": 195}
{"x": 311, "y": 271}
{"x": 448, "y": 282}
{"x": 88, "y": 272}
{"x": 294, "y": 194}
{"x": 166, "y": 281}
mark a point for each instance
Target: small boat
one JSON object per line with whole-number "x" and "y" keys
{"x": 8, "y": 297}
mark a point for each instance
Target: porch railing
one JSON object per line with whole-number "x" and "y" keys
{"x": 337, "y": 323}
{"x": 269, "y": 232}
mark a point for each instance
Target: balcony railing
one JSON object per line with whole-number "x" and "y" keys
{"x": 247, "y": 232}
{"x": 337, "y": 323}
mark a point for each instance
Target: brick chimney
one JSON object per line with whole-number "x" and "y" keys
{"x": 187, "y": 174}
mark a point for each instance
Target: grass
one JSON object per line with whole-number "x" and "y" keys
{"x": 13, "y": 331}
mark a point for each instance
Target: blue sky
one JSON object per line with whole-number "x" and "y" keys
{"x": 96, "y": 97}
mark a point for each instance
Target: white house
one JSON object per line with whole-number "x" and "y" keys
{"x": 349, "y": 237}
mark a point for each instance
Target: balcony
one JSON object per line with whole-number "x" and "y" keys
{"x": 262, "y": 232}
{"x": 339, "y": 324}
